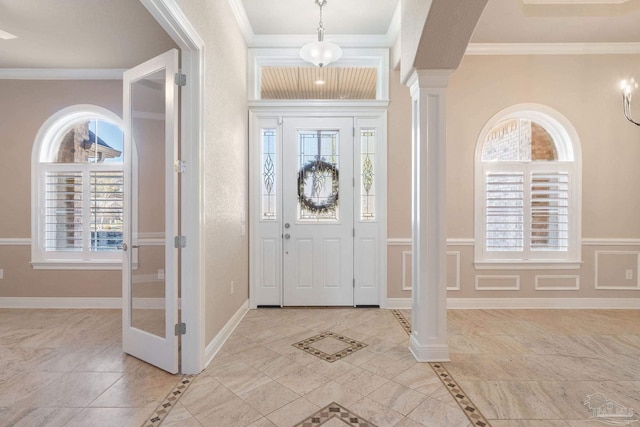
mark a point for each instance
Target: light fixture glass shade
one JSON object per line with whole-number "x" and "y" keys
{"x": 320, "y": 53}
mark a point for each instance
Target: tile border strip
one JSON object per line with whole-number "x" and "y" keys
{"x": 307, "y": 345}
{"x": 161, "y": 412}
{"x": 468, "y": 407}
{"x": 334, "y": 410}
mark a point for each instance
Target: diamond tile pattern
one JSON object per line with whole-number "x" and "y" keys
{"x": 329, "y": 341}
{"x": 335, "y": 411}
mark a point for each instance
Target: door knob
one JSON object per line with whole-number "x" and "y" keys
{"x": 124, "y": 247}
{"x": 287, "y": 225}
{"x": 287, "y": 236}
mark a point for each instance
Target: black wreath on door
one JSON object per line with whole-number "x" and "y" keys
{"x": 317, "y": 171}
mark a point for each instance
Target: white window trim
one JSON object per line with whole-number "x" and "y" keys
{"x": 569, "y": 150}
{"x": 51, "y": 130}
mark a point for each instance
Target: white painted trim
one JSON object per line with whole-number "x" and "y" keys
{"x": 405, "y": 286}
{"x": 399, "y": 241}
{"x": 393, "y": 32}
{"x": 542, "y": 303}
{"x": 461, "y": 242}
{"x": 243, "y": 20}
{"x": 399, "y": 303}
{"x": 624, "y": 48}
{"x": 218, "y": 341}
{"x": 610, "y": 242}
{"x": 538, "y": 287}
{"x": 429, "y": 352}
{"x": 620, "y": 288}
{"x": 525, "y": 303}
{"x": 59, "y": 264}
{"x": 456, "y": 285}
{"x": 15, "y": 241}
{"x": 406, "y": 241}
{"x": 175, "y": 23}
{"x": 527, "y": 265}
{"x": 61, "y": 74}
{"x": 60, "y": 302}
{"x": 516, "y": 287}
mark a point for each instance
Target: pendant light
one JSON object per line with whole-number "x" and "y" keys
{"x": 320, "y": 53}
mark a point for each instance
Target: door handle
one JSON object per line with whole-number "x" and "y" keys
{"x": 124, "y": 247}
{"x": 287, "y": 236}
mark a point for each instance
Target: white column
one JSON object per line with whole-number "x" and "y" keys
{"x": 428, "y": 341}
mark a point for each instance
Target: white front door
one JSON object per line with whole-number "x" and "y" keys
{"x": 318, "y": 214}
{"x": 150, "y": 261}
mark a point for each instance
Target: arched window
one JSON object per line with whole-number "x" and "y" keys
{"x": 527, "y": 188}
{"x": 78, "y": 190}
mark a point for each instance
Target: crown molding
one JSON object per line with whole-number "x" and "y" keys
{"x": 61, "y": 73}
{"x": 393, "y": 32}
{"x": 243, "y": 20}
{"x": 626, "y": 48}
{"x": 298, "y": 40}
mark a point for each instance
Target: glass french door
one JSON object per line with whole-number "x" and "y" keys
{"x": 318, "y": 214}
{"x": 150, "y": 267}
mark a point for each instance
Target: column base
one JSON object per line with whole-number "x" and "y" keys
{"x": 430, "y": 352}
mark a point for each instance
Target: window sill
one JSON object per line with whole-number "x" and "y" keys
{"x": 77, "y": 265}
{"x": 527, "y": 265}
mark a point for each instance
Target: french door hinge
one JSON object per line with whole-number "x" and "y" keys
{"x": 180, "y": 79}
{"x": 181, "y": 328}
{"x": 180, "y": 166}
{"x": 180, "y": 242}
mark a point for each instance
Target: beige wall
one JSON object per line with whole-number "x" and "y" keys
{"x": 226, "y": 154}
{"x": 24, "y": 107}
{"x": 582, "y": 88}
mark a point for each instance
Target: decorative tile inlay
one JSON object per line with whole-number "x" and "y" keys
{"x": 468, "y": 407}
{"x": 169, "y": 402}
{"x": 333, "y": 410}
{"x": 351, "y": 346}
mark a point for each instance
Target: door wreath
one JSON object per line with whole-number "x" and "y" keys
{"x": 317, "y": 171}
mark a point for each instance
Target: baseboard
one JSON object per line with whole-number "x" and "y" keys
{"x": 59, "y": 302}
{"x": 398, "y": 303}
{"x": 216, "y": 344}
{"x": 526, "y": 303}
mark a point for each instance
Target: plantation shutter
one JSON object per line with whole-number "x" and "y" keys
{"x": 106, "y": 210}
{"x": 63, "y": 217}
{"x": 504, "y": 202}
{"x": 549, "y": 211}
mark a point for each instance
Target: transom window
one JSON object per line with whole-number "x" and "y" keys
{"x": 527, "y": 188}
{"x": 79, "y": 194}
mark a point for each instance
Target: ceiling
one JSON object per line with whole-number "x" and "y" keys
{"x": 121, "y": 33}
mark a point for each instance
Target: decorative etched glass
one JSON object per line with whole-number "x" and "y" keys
{"x": 367, "y": 174}
{"x": 318, "y": 175}
{"x": 268, "y": 174}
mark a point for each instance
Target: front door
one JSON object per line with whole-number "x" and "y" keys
{"x": 317, "y": 217}
{"x": 150, "y": 267}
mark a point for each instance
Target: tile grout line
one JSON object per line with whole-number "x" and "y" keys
{"x": 161, "y": 412}
{"x": 462, "y": 399}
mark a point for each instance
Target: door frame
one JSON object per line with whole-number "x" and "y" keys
{"x": 171, "y": 18}
{"x": 366, "y": 114}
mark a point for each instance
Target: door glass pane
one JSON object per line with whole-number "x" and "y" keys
{"x": 367, "y": 166}
{"x": 269, "y": 174}
{"x": 318, "y": 175}
{"x": 148, "y": 245}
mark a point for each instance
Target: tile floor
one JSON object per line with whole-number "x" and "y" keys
{"x": 521, "y": 368}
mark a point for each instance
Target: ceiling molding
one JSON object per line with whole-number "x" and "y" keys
{"x": 393, "y": 32}
{"x": 631, "y": 48}
{"x": 243, "y": 20}
{"x": 61, "y": 73}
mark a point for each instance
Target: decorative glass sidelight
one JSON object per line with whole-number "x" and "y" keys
{"x": 318, "y": 175}
{"x": 268, "y": 174}
{"x": 367, "y": 174}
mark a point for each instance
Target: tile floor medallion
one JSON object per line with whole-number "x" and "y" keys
{"x": 169, "y": 402}
{"x": 469, "y": 408}
{"x": 330, "y": 346}
{"x": 333, "y": 411}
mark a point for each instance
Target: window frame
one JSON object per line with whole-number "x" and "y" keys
{"x": 44, "y": 148}
{"x": 569, "y": 160}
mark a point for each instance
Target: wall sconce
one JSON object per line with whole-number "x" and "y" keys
{"x": 627, "y": 87}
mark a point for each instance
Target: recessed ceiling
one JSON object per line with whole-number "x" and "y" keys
{"x": 357, "y": 17}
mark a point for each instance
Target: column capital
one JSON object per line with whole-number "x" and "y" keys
{"x": 428, "y": 79}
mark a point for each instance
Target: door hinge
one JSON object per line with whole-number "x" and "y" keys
{"x": 181, "y": 328}
{"x": 180, "y": 166}
{"x": 180, "y": 242}
{"x": 180, "y": 79}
